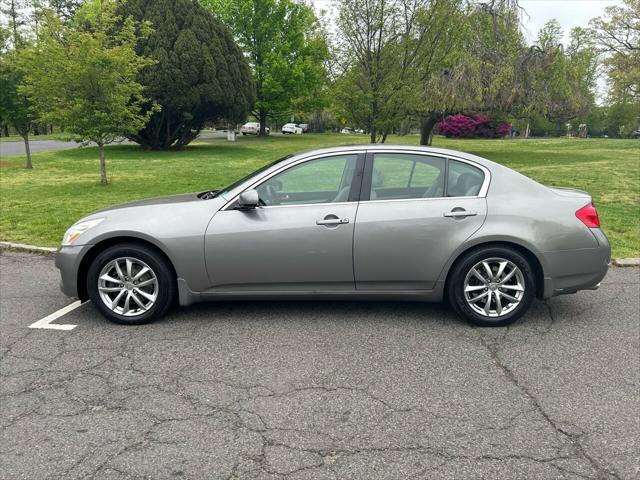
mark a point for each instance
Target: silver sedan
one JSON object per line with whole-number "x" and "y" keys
{"x": 363, "y": 222}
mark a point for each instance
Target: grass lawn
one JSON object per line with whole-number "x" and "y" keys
{"x": 38, "y": 205}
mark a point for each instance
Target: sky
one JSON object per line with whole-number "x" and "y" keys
{"x": 570, "y": 13}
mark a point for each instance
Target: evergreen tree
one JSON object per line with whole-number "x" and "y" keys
{"x": 200, "y": 74}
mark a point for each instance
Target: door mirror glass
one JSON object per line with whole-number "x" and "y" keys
{"x": 248, "y": 199}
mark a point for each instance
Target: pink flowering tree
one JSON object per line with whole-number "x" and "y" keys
{"x": 479, "y": 126}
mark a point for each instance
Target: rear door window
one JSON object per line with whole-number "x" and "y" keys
{"x": 405, "y": 176}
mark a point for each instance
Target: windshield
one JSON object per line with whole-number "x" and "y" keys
{"x": 247, "y": 177}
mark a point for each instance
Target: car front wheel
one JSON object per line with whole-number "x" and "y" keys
{"x": 492, "y": 286}
{"x": 130, "y": 284}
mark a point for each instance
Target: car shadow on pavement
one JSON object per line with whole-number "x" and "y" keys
{"x": 315, "y": 311}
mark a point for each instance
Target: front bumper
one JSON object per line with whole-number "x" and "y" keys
{"x": 68, "y": 261}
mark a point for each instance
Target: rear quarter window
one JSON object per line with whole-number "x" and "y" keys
{"x": 464, "y": 180}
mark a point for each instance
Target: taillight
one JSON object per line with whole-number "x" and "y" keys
{"x": 589, "y": 216}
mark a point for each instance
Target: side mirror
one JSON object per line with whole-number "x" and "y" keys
{"x": 248, "y": 199}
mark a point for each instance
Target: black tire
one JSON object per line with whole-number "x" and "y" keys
{"x": 455, "y": 286}
{"x": 166, "y": 283}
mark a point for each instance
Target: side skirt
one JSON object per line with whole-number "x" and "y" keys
{"x": 189, "y": 297}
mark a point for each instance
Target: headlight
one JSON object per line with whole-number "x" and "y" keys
{"x": 78, "y": 229}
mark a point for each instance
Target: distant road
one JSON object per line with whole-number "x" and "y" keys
{"x": 8, "y": 149}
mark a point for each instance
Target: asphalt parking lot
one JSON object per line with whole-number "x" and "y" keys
{"x": 318, "y": 390}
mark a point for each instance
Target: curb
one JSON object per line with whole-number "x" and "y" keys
{"x": 21, "y": 247}
{"x": 627, "y": 262}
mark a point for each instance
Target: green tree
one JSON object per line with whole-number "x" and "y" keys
{"x": 374, "y": 56}
{"x": 15, "y": 107}
{"x": 280, "y": 41}
{"x": 65, "y": 9}
{"x": 617, "y": 34}
{"x": 200, "y": 74}
{"x": 623, "y": 119}
{"x": 496, "y": 43}
{"x": 562, "y": 79}
{"x": 15, "y": 12}
{"x": 83, "y": 76}
{"x": 444, "y": 64}
{"x": 425, "y": 58}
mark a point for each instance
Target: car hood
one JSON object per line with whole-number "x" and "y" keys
{"x": 169, "y": 199}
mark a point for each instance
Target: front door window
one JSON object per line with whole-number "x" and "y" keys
{"x": 325, "y": 180}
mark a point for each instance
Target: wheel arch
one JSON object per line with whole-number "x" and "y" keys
{"x": 533, "y": 259}
{"x": 101, "y": 246}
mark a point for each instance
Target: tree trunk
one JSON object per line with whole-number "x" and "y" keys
{"x": 5, "y": 130}
{"x": 526, "y": 130}
{"x": 384, "y": 137}
{"x": 168, "y": 140}
{"x": 103, "y": 165}
{"x": 27, "y": 150}
{"x": 262, "y": 118}
{"x": 426, "y": 129}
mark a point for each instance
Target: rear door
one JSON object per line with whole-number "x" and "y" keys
{"x": 415, "y": 210}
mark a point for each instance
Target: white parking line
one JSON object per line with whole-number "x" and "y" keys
{"x": 46, "y": 321}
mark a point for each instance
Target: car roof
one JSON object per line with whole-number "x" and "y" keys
{"x": 380, "y": 147}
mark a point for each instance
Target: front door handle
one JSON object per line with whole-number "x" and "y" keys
{"x": 332, "y": 221}
{"x": 460, "y": 213}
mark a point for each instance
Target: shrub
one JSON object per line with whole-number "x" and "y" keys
{"x": 479, "y": 126}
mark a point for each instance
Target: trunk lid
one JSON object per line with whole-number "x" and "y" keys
{"x": 570, "y": 192}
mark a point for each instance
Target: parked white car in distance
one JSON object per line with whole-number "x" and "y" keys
{"x": 252, "y": 128}
{"x": 291, "y": 128}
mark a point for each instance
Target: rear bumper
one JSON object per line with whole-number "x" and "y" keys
{"x": 68, "y": 262}
{"x": 569, "y": 271}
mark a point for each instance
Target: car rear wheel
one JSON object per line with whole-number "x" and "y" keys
{"x": 130, "y": 284}
{"x": 492, "y": 286}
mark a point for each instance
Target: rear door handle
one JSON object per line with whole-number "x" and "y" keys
{"x": 460, "y": 213}
{"x": 332, "y": 221}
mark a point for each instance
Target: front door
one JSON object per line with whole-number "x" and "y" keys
{"x": 299, "y": 239}
{"x": 420, "y": 208}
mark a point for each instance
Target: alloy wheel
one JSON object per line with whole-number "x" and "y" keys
{"x": 128, "y": 286}
{"x": 494, "y": 287}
